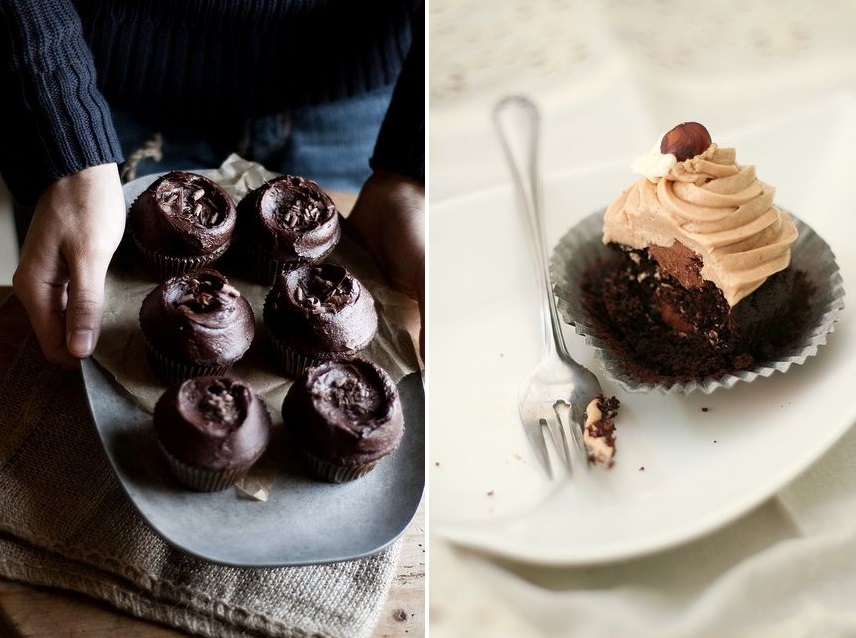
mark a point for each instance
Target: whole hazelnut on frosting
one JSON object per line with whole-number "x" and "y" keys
{"x": 686, "y": 140}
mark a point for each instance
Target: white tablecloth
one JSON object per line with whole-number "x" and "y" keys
{"x": 610, "y": 78}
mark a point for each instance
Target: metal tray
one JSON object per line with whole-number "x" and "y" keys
{"x": 304, "y": 521}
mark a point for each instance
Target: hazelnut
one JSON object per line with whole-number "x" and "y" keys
{"x": 686, "y": 140}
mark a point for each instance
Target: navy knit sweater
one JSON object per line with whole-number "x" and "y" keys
{"x": 63, "y": 61}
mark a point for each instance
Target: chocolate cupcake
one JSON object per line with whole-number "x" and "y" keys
{"x": 181, "y": 222}
{"x": 195, "y": 324}
{"x": 211, "y": 430}
{"x": 345, "y": 417}
{"x": 693, "y": 277}
{"x": 318, "y": 312}
{"x": 286, "y": 219}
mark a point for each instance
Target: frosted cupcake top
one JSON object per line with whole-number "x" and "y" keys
{"x": 694, "y": 192}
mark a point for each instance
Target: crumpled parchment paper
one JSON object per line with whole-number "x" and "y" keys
{"x": 121, "y": 350}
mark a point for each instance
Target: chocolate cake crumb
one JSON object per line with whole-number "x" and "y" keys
{"x": 668, "y": 334}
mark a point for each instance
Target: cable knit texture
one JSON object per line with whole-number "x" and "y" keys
{"x": 63, "y": 61}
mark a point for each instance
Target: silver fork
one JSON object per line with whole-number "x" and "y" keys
{"x": 556, "y": 394}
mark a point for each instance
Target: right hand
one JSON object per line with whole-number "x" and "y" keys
{"x": 389, "y": 214}
{"x": 76, "y": 227}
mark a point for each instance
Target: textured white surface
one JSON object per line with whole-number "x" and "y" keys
{"x": 644, "y": 65}
{"x": 479, "y": 45}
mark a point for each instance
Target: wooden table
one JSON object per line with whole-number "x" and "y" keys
{"x": 37, "y": 612}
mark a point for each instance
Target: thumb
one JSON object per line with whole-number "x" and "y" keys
{"x": 84, "y": 310}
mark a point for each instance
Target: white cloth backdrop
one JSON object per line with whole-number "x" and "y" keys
{"x": 610, "y": 77}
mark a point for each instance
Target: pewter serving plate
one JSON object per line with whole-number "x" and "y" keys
{"x": 304, "y": 521}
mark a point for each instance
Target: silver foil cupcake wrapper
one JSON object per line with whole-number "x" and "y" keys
{"x": 582, "y": 247}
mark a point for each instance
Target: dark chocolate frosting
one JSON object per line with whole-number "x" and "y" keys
{"x": 198, "y": 317}
{"x": 321, "y": 310}
{"x": 183, "y": 214}
{"x": 291, "y": 218}
{"x": 214, "y": 423}
{"x": 347, "y": 412}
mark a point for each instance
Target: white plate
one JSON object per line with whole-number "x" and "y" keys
{"x": 686, "y": 464}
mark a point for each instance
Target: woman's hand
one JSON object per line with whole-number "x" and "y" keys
{"x": 76, "y": 227}
{"x": 389, "y": 214}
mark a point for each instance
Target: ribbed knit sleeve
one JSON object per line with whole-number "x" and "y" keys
{"x": 401, "y": 142}
{"x": 57, "y": 121}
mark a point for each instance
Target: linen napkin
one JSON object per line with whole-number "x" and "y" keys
{"x": 65, "y": 522}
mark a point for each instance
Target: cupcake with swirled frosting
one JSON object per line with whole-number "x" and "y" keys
{"x": 195, "y": 324}
{"x": 697, "y": 282}
{"x": 318, "y": 312}
{"x": 705, "y": 208}
{"x": 182, "y": 221}
{"x": 345, "y": 416}
{"x": 211, "y": 430}
{"x": 287, "y": 220}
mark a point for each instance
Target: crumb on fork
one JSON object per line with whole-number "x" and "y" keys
{"x": 599, "y": 430}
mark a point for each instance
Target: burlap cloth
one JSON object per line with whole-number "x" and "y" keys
{"x": 65, "y": 522}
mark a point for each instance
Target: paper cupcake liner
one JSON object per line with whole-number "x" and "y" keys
{"x": 203, "y": 480}
{"x": 582, "y": 247}
{"x": 163, "y": 266}
{"x": 263, "y": 269}
{"x": 333, "y": 473}
{"x": 170, "y": 371}
{"x": 294, "y": 363}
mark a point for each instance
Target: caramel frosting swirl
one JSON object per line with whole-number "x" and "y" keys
{"x": 716, "y": 208}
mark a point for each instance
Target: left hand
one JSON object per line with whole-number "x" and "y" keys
{"x": 76, "y": 227}
{"x": 389, "y": 214}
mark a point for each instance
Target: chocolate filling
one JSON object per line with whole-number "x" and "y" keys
{"x": 668, "y": 333}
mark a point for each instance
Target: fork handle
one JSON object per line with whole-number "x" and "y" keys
{"x": 518, "y": 120}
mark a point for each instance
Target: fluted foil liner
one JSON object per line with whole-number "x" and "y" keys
{"x": 582, "y": 246}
